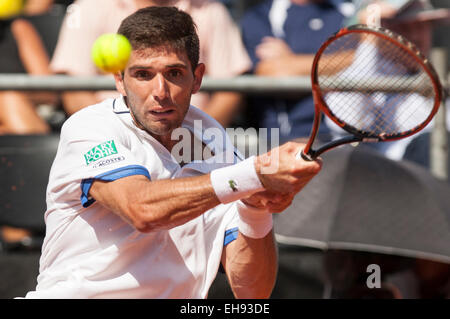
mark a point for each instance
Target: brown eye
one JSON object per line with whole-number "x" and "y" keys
{"x": 175, "y": 73}
{"x": 142, "y": 75}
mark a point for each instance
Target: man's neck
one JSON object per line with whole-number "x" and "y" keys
{"x": 166, "y": 141}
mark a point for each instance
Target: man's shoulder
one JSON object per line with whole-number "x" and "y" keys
{"x": 100, "y": 113}
{"x": 94, "y": 110}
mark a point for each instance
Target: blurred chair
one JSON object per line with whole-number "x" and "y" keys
{"x": 25, "y": 162}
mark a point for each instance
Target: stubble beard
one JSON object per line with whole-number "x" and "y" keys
{"x": 160, "y": 129}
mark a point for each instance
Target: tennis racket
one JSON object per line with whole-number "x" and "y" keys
{"x": 374, "y": 84}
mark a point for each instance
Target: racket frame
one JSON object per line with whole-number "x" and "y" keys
{"x": 320, "y": 106}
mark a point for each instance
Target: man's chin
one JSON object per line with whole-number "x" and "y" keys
{"x": 162, "y": 130}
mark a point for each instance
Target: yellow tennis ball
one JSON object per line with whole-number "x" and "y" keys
{"x": 10, "y": 8}
{"x": 111, "y": 52}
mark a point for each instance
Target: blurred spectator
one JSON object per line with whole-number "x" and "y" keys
{"x": 413, "y": 19}
{"x": 25, "y": 50}
{"x": 221, "y": 48}
{"x": 21, "y": 42}
{"x": 27, "y": 40}
{"x": 281, "y": 37}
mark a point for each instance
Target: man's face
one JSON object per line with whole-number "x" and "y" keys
{"x": 158, "y": 84}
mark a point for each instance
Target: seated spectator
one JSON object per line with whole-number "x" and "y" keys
{"x": 413, "y": 19}
{"x": 22, "y": 44}
{"x": 25, "y": 50}
{"x": 282, "y": 37}
{"x": 26, "y": 42}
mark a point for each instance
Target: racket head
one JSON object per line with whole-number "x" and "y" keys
{"x": 374, "y": 84}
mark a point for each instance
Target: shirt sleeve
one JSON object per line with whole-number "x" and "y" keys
{"x": 231, "y": 232}
{"x": 91, "y": 151}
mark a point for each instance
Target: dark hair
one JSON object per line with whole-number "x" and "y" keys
{"x": 154, "y": 27}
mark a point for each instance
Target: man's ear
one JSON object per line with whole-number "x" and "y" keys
{"x": 198, "y": 76}
{"x": 118, "y": 78}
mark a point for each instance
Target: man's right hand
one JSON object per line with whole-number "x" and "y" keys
{"x": 280, "y": 171}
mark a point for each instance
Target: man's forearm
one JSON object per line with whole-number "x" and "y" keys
{"x": 252, "y": 267}
{"x": 164, "y": 204}
{"x": 161, "y": 204}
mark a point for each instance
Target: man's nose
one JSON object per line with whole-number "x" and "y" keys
{"x": 160, "y": 88}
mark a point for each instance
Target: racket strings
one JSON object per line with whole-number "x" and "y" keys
{"x": 384, "y": 90}
{"x": 364, "y": 73}
{"x": 408, "y": 115}
{"x": 332, "y": 63}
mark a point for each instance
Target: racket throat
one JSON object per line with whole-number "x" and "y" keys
{"x": 313, "y": 154}
{"x": 310, "y": 156}
{"x": 372, "y": 139}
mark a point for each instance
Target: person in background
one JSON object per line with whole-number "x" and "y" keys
{"x": 26, "y": 41}
{"x": 413, "y": 19}
{"x": 220, "y": 41}
{"x": 282, "y": 37}
{"x": 24, "y": 50}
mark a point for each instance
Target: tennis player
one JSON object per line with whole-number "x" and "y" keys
{"x": 125, "y": 219}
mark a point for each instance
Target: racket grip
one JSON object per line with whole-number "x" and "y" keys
{"x": 304, "y": 156}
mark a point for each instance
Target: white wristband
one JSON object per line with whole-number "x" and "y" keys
{"x": 237, "y": 181}
{"x": 254, "y": 222}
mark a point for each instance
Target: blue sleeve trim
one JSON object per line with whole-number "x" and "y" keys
{"x": 109, "y": 177}
{"x": 230, "y": 235}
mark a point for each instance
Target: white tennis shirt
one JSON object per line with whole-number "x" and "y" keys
{"x": 90, "y": 252}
